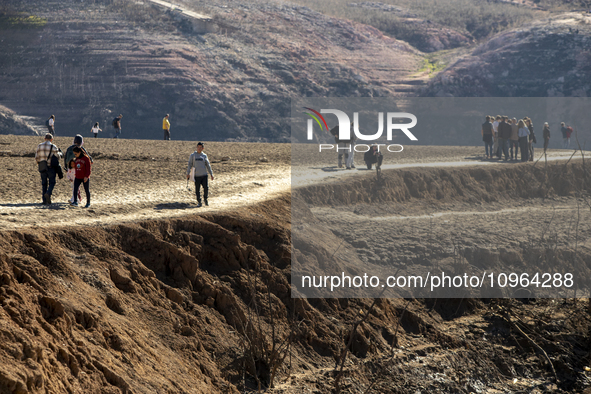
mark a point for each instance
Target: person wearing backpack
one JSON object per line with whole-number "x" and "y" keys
{"x": 50, "y": 123}
{"x": 565, "y": 138}
{"x": 46, "y": 151}
{"x": 78, "y": 142}
{"x": 117, "y": 125}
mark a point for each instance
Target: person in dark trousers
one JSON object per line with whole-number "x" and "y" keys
{"x": 523, "y": 140}
{"x": 504, "y": 129}
{"x": 199, "y": 161}
{"x": 51, "y": 125}
{"x": 117, "y": 125}
{"x": 166, "y": 128}
{"x": 532, "y": 138}
{"x": 373, "y": 156}
{"x": 487, "y": 137}
{"x": 83, "y": 170}
{"x": 345, "y": 147}
{"x": 45, "y": 151}
{"x": 78, "y": 142}
{"x": 495, "y": 123}
{"x": 546, "y": 135}
{"x": 514, "y": 139}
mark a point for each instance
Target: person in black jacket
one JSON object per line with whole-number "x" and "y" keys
{"x": 504, "y": 135}
{"x": 373, "y": 156}
{"x": 546, "y": 135}
{"x": 532, "y": 138}
{"x": 487, "y": 137}
{"x": 117, "y": 125}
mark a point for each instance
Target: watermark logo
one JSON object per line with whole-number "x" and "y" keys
{"x": 343, "y": 132}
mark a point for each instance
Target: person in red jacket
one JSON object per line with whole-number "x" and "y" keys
{"x": 83, "y": 169}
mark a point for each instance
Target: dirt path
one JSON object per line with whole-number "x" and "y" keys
{"x": 145, "y": 179}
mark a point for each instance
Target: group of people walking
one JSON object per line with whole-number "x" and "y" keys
{"x": 50, "y": 123}
{"x": 506, "y": 137}
{"x": 77, "y": 161}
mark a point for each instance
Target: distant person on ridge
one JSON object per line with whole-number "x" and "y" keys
{"x": 487, "y": 137}
{"x": 496, "y": 136}
{"x": 523, "y": 137}
{"x": 345, "y": 147}
{"x": 117, "y": 125}
{"x": 50, "y": 123}
{"x": 44, "y": 154}
{"x": 546, "y": 135}
{"x": 166, "y": 128}
{"x": 95, "y": 129}
{"x": 514, "y": 139}
{"x": 532, "y": 138}
{"x": 504, "y": 135}
{"x": 373, "y": 156}
{"x": 199, "y": 161}
{"x": 566, "y": 133}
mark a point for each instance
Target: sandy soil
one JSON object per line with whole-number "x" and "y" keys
{"x": 135, "y": 179}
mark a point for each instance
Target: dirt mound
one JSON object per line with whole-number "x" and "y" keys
{"x": 546, "y": 58}
{"x": 471, "y": 185}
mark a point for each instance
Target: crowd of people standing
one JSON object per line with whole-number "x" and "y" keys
{"x": 506, "y": 137}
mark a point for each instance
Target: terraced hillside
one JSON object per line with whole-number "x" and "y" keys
{"x": 91, "y": 61}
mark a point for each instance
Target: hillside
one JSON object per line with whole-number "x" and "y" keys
{"x": 90, "y": 61}
{"x": 545, "y": 58}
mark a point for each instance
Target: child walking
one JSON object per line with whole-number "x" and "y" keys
{"x": 83, "y": 169}
{"x": 95, "y": 129}
{"x": 71, "y": 176}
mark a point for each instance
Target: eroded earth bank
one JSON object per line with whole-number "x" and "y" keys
{"x": 201, "y": 303}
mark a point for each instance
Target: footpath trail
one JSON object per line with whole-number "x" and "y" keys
{"x": 145, "y": 179}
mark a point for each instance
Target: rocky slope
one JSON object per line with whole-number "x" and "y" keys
{"x": 92, "y": 61}
{"x": 11, "y": 123}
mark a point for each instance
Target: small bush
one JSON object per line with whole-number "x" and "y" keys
{"x": 20, "y": 21}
